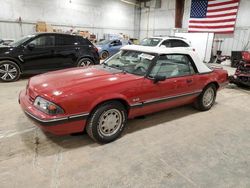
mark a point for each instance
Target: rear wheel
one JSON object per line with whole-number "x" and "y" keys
{"x": 85, "y": 62}
{"x": 107, "y": 122}
{"x": 104, "y": 54}
{"x": 9, "y": 71}
{"x": 207, "y": 98}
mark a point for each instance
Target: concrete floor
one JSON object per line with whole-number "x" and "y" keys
{"x": 175, "y": 148}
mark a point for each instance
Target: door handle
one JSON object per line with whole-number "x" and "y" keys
{"x": 189, "y": 81}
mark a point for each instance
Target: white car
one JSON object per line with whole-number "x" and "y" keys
{"x": 169, "y": 42}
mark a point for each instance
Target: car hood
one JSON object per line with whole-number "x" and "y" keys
{"x": 70, "y": 81}
{"x": 4, "y": 49}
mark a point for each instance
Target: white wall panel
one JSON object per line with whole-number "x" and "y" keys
{"x": 160, "y": 20}
{"x": 98, "y": 15}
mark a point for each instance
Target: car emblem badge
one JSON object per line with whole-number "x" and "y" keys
{"x": 136, "y": 99}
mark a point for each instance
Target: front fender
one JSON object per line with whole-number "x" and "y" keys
{"x": 14, "y": 60}
{"x": 108, "y": 97}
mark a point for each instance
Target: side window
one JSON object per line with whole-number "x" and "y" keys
{"x": 173, "y": 65}
{"x": 44, "y": 41}
{"x": 116, "y": 43}
{"x": 119, "y": 43}
{"x": 167, "y": 43}
{"x": 179, "y": 43}
{"x": 65, "y": 40}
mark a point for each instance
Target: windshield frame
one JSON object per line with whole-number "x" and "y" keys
{"x": 22, "y": 40}
{"x": 153, "y": 61}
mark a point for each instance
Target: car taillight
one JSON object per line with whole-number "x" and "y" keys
{"x": 95, "y": 48}
{"x": 246, "y": 56}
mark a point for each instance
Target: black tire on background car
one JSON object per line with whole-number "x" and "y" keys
{"x": 104, "y": 54}
{"x": 207, "y": 98}
{"x": 9, "y": 71}
{"x": 107, "y": 122}
{"x": 85, "y": 62}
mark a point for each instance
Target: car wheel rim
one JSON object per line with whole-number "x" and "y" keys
{"x": 8, "y": 72}
{"x": 110, "y": 122}
{"x": 85, "y": 63}
{"x": 208, "y": 97}
{"x": 104, "y": 55}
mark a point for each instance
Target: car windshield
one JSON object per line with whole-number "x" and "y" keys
{"x": 133, "y": 62}
{"x": 150, "y": 41}
{"x": 21, "y": 40}
{"x": 103, "y": 42}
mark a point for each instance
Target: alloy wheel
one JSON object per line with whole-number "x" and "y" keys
{"x": 208, "y": 97}
{"x": 84, "y": 63}
{"x": 8, "y": 72}
{"x": 110, "y": 122}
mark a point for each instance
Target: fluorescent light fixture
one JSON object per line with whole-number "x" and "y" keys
{"x": 129, "y": 2}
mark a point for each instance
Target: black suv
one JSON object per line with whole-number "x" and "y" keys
{"x": 44, "y": 52}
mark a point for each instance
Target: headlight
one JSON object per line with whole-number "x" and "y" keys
{"x": 47, "y": 106}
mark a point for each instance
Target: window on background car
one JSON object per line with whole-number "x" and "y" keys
{"x": 166, "y": 43}
{"x": 150, "y": 41}
{"x": 44, "y": 41}
{"x": 172, "y": 66}
{"x": 178, "y": 43}
{"x": 65, "y": 40}
{"x": 116, "y": 43}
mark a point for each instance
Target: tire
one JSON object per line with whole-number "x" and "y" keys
{"x": 107, "y": 122}
{"x": 104, "y": 54}
{"x": 85, "y": 62}
{"x": 9, "y": 71}
{"x": 204, "y": 104}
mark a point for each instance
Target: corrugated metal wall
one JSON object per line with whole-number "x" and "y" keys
{"x": 11, "y": 30}
{"x": 14, "y": 30}
{"x": 235, "y": 42}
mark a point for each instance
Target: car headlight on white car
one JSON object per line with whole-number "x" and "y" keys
{"x": 47, "y": 106}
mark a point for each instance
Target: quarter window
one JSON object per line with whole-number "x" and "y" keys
{"x": 174, "y": 65}
{"x": 178, "y": 43}
{"x": 65, "y": 40}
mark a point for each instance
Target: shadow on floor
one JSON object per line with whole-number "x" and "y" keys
{"x": 234, "y": 86}
{"x": 47, "y": 144}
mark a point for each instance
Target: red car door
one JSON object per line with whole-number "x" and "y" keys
{"x": 180, "y": 86}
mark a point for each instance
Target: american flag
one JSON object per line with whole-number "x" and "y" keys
{"x": 215, "y": 16}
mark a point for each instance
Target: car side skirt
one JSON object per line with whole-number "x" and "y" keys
{"x": 164, "y": 99}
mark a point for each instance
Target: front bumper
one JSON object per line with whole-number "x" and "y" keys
{"x": 59, "y": 125}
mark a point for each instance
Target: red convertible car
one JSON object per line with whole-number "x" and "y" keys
{"x": 136, "y": 81}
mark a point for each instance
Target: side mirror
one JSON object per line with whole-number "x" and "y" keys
{"x": 31, "y": 46}
{"x": 159, "y": 78}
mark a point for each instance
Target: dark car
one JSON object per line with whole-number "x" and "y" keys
{"x": 44, "y": 52}
{"x": 241, "y": 76}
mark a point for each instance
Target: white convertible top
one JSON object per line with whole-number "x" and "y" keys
{"x": 201, "y": 67}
